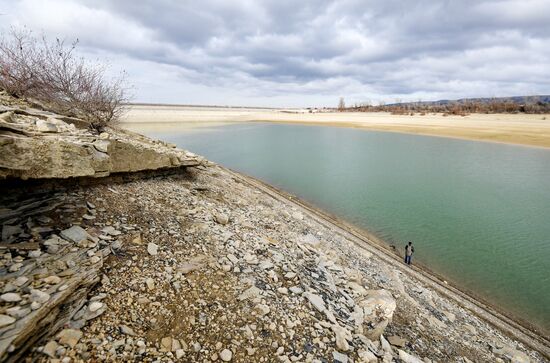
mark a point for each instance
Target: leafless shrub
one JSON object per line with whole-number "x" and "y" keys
{"x": 341, "y": 105}
{"x": 52, "y": 74}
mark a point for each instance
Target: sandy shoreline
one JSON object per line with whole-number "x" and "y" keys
{"x": 521, "y": 129}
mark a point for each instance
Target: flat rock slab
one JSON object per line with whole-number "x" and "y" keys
{"x": 75, "y": 234}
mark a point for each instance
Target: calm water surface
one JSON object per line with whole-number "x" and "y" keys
{"x": 478, "y": 213}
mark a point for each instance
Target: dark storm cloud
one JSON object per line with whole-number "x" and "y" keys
{"x": 362, "y": 49}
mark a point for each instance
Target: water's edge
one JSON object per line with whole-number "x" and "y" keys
{"x": 532, "y": 336}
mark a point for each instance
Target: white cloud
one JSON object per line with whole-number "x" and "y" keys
{"x": 287, "y": 53}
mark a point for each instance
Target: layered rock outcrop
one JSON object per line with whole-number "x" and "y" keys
{"x": 39, "y": 144}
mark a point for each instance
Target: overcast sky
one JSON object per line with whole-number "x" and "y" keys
{"x": 306, "y": 53}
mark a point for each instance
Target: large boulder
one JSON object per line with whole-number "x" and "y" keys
{"x": 377, "y": 312}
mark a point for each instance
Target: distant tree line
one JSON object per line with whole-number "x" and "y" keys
{"x": 531, "y": 105}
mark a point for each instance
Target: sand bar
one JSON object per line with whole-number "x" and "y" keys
{"x": 522, "y": 129}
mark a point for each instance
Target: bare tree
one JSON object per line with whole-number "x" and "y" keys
{"x": 341, "y": 104}
{"x": 52, "y": 74}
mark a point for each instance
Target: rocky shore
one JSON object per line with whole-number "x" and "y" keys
{"x": 205, "y": 266}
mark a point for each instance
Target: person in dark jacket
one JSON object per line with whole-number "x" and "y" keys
{"x": 409, "y": 250}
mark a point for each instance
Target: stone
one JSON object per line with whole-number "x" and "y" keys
{"x": 75, "y": 234}
{"x": 69, "y": 337}
{"x": 221, "y": 218}
{"x": 166, "y": 344}
{"x": 102, "y": 145}
{"x": 95, "y": 306}
{"x": 282, "y": 290}
{"x": 310, "y": 240}
{"x": 226, "y": 355}
{"x": 39, "y": 296}
{"x": 8, "y": 231}
{"x": 125, "y": 329}
{"x": 52, "y": 280}
{"x": 251, "y": 292}
{"x": 150, "y": 283}
{"x": 316, "y": 301}
{"x": 263, "y": 309}
{"x": 397, "y": 341}
{"x": 180, "y": 353}
{"x": 378, "y": 307}
{"x": 176, "y": 345}
{"x": 408, "y": 358}
{"x": 385, "y": 345}
{"x": 266, "y": 265}
{"x": 187, "y": 267}
{"x": 515, "y": 356}
{"x": 10, "y": 297}
{"x": 339, "y": 357}
{"x": 296, "y": 290}
{"x": 367, "y": 356}
{"x": 18, "y": 312}
{"x": 45, "y": 126}
{"x": 6, "y": 320}
{"x": 342, "y": 336}
{"x": 111, "y": 231}
{"x": 34, "y": 253}
{"x": 152, "y": 248}
{"x": 50, "y": 348}
{"x": 15, "y": 267}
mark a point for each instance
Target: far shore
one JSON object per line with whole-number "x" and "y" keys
{"x": 521, "y": 129}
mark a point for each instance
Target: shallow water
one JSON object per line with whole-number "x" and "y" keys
{"x": 478, "y": 213}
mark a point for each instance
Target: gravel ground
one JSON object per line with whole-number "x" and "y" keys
{"x": 205, "y": 268}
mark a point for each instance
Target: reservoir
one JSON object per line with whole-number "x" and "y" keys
{"x": 478, "y": 213}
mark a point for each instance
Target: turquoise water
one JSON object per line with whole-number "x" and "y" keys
{"x": 478, "y": 213}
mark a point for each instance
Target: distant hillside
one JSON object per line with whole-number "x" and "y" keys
{"x": 521, "y": 100}
{"x": 517, "y": 104}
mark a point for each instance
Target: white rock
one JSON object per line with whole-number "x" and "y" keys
{"x": 339, "y": 357}
{"x": 342, "y": 337}
{"x": 316, "y": 301}
{"x": 39, "y": 296}
{"x": 180, "y": 353}
{"x": 124, "y": 329}
{"x": 221, "y": 218}
{"x": 20, "y": 281}
{"x": 15, "y": 267}
{"x": 263, "y": 309}
{"x": 18, "y": 312}
{"x": 34, "y": 254}
{"x": 75, "y": 234}
{"x": 45, "y": 126}
{"x": 282, "y": 290}
{"x": 6, "y": 320}
{"x": 378, "y": 307}
{"x": 251, "y": 292}
{"x": 95, "y": 306}
{"x": 10, "y": 297}
{"x": 408, "y": 358}
{"x": 152, "y": 248}
{"x": 50, "y": 348}
{"x": 226, "y": 355}
{"x": 69, "y": 337}
{"x": 150, "y": 283}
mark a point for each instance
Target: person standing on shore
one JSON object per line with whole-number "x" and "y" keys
{"x": 409, "y": 250}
